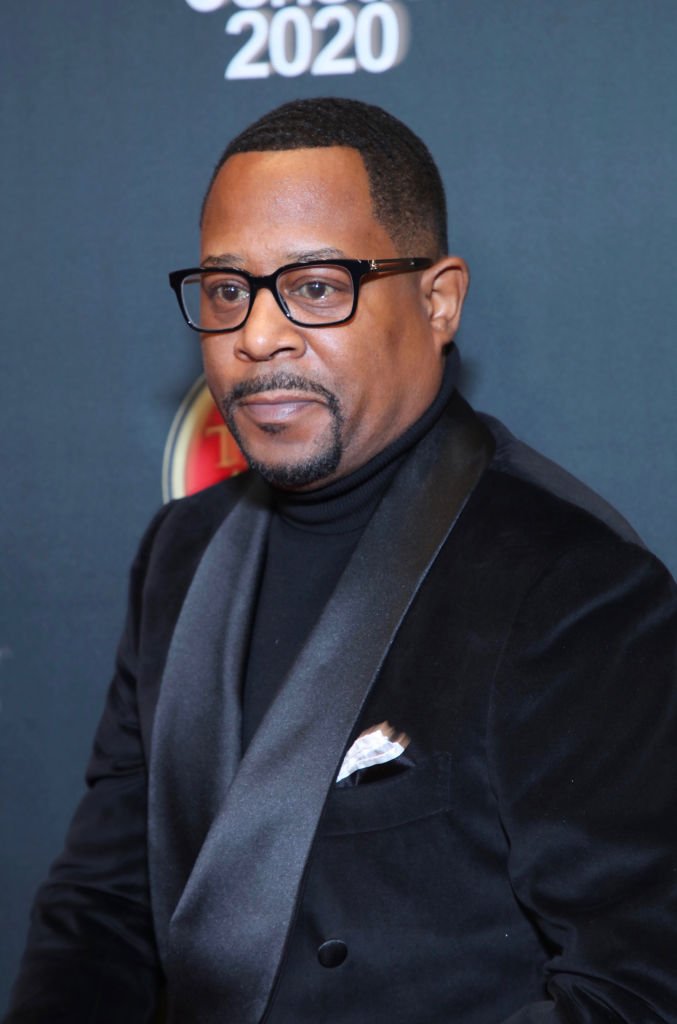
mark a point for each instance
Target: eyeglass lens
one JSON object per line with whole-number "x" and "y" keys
{"x": 310, "y": 294}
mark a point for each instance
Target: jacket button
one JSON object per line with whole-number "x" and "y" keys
{"x": 332, "y": 953}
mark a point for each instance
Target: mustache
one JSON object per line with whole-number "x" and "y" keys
{"x": 280, "y": 380}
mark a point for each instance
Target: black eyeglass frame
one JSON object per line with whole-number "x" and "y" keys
{"x": 358, "y": 269}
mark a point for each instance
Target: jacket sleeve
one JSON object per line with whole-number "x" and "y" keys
{"x": 91, "y": 955}
{"x": 583, "y": 745}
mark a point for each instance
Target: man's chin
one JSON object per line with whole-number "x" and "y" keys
{"x": 288, "y": 462}
{"x": 298, "y": 474}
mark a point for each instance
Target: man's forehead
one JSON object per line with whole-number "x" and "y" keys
{"x": 282, "y": 171}
{"x": 235, "y": 259}
{"x": 287, "y": 206}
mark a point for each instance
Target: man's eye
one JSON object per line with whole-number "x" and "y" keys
{"x": 314, "y": 288}
{"x": 316, "y": 291}
{"x": 227, "y": 292}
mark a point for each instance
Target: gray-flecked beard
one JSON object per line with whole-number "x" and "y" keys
{"x": 290, "y": 475}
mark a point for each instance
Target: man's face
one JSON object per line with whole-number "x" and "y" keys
{"x": 308, "y": 405}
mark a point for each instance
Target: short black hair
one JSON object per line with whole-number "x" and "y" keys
{"x": 404, "y": 183}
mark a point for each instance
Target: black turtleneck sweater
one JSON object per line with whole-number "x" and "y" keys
{"x": 312, "y": 535}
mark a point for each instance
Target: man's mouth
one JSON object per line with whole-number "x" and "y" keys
{"x": 278, "y": 407}
{"x": 276, "y": 400}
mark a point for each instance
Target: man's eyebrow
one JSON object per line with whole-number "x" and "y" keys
{"x": 309, "y": 255}
{"x": 228, "y": 259}
{"x": 224, "y": 259}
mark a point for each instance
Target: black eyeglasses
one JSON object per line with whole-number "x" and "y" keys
{"x": 319, "y": 294}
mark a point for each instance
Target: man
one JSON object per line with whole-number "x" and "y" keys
{"x": 392, "y": 732}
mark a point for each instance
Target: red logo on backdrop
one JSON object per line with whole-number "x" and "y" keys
{"x": 200, "y": 450}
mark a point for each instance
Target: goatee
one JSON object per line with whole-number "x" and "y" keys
{"x": 302, "y": 473}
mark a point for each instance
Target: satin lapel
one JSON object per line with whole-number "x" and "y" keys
{"x": 196, "y": 734}
{"x": 229, "y": 930}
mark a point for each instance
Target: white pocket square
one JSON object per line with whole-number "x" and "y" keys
{"x": 376, "y": 745}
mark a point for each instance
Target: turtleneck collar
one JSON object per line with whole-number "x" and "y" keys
{"x": 346, "y": 504}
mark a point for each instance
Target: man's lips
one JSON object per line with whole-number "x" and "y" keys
{"x": 278, "y": 406}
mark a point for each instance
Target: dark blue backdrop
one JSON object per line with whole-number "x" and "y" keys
{"x": 554, "y": 124}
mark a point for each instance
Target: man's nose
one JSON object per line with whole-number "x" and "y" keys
{"x": 267, "y": 332}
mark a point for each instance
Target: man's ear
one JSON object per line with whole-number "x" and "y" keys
{"x": 445, "y": 285}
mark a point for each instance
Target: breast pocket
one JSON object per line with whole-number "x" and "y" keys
{"x": 417, "y": 792}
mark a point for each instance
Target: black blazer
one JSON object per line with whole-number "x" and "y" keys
{"x": 522, "y": 866}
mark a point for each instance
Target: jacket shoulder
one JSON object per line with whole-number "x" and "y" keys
{"x": 544, "y": 499}
{"x": 173, "y": 544}
{"x": 188, "y": 524}
{"x": 206, "y": 509}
